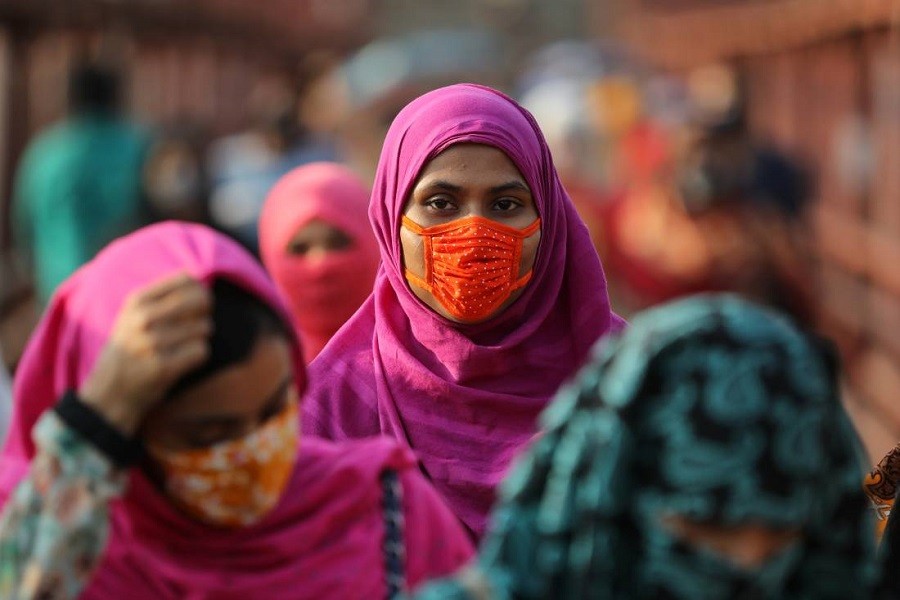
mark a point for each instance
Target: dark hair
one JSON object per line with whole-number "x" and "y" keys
{"x": 240, "y": 320}
{"x": 93, "y": 88}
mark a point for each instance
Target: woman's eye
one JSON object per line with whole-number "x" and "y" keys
{"x": 199, "y": 443}
{"x": 211, "y": 435}
{"x": 337, "y": 241}
{"x": 274, "y": 409}
{"x": 299, "y": 249}
{"x": 507, "y": 204}
{"x": 440, "y": 204}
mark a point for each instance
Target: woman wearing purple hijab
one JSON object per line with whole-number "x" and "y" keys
{"x": 490, "y": 294}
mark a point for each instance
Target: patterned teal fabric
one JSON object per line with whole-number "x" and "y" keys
{"x": 708, "y": 408}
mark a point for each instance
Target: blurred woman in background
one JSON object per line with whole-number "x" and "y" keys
{"x": 316, "y": 243}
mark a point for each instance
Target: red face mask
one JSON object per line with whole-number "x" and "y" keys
{"x": 471, "y": 264}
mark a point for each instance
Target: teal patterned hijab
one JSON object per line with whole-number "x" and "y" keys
{"x": 708, "y": 408}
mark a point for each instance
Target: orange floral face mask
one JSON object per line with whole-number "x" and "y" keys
{"x": 471, "y": 264}
{"x": 236, "y": 482}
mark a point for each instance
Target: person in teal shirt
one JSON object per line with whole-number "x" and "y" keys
{"x": 79, "y": 182}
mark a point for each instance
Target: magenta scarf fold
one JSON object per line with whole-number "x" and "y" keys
{"x": 323, "y": 539}
{"x": 465, "y": 398}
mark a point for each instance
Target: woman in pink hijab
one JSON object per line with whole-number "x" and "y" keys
{"x": 154, "y": 450}
{"x": 316, "y": 243}
{"x": 490, "y": 294}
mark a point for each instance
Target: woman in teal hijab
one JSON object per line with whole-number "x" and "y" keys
{"x": 702, "y": 454}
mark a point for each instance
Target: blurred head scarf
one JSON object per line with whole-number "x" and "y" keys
{"x": 711, "y": 409}
{"x": 323, "y": 291}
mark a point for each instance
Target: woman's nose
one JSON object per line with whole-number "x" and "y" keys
{"x": 475, "y": 208}
{"x": 315, "y": 254}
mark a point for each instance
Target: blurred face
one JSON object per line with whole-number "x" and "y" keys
{"x": 318, "y": 238}
{"x": 462, "y": 181}
{"x": 227, "y": 405}
{"x": 748, "y": 546}
{"x": 325, "y": 277}
{"x": 224, "y": 449}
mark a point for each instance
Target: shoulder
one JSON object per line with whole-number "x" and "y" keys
{"x": 50, "y": 139}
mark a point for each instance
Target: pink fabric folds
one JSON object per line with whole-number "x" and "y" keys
{"x": 322, "y": 291}
{"x": 323, "y": 540}
{"x": 465, "y": 398}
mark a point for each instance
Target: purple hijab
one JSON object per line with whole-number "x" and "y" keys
{"x": 465, "y": 398}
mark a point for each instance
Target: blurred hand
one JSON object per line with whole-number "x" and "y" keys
{"x": 161, "y": 334}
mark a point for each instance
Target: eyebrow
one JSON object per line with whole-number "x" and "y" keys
{"x": 443, "y": 185}
{"x": 503, "y": 187}
{"x": 510, "y": 185}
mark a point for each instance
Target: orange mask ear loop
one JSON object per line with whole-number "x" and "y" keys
{"x": 523, "y": 234}
{"x": 428, "y": 255}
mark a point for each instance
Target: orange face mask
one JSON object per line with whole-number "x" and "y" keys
{"x": 471, "y": 264}
{"x": 236, "y": 482}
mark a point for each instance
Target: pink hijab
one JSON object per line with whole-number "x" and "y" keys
{"x": 465, "y": 398}
{"x": 322, "y": 291}
{"x": 324, "y": 538}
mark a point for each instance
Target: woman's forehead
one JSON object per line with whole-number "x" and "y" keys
{"x": 466, "y": 159}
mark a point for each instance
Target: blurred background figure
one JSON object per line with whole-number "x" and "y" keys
{"x": 244, "y": 166}
{"x": 79, "y": 183}
{"x": 317, "y": 244}
{"x": 709, "y": 208}
{"x": 367, "y": 90}
{"x": 747, "y": 199}
{"x": 556, "y": 86}
{"x": 176, "y": 183}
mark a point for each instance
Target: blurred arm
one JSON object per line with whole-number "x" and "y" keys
{"x": 54, "y": 528}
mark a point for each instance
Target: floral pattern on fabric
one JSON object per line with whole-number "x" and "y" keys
{"x": 236, "y": 482}
{"x": 881, "y": 486}
{"x": 55, "y": 526}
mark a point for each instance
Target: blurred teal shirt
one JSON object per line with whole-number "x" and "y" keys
{"x": 77, "y": 188}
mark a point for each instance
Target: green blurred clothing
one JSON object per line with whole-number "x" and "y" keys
{"x": 77, "y": 188}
